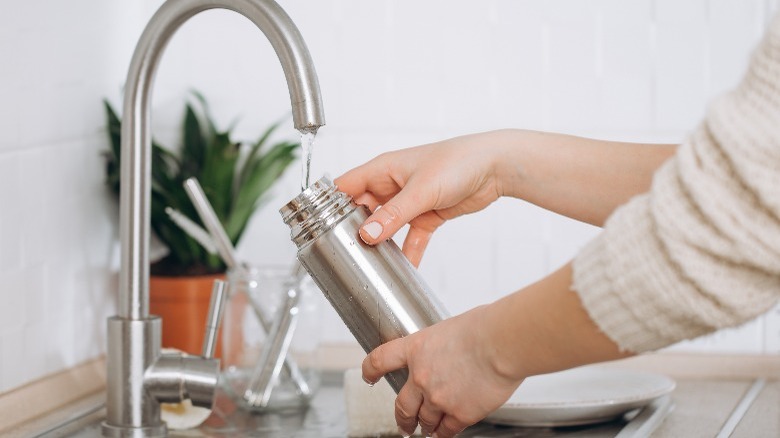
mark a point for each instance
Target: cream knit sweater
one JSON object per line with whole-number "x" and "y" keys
{"x": 701, "y": 250}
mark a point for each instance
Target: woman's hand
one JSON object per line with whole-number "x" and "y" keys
{"x": 453, "y": 378}
{"x": 465, "y": 367}
{"x": 424, "y": 186}
{"x": 427, "y": 185}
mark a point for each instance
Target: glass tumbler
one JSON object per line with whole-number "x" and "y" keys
{"x": 254, "y": 314}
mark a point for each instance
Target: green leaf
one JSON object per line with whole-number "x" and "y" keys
{"x": 211, "y": 129}
{"x": 235, "y": 181}
{"x": 193, "y": 151}
{"x": 218, "y": 172}
{"x": 260, "y": 174}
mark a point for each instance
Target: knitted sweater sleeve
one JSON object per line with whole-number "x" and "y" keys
{"x": 701, "y": 250}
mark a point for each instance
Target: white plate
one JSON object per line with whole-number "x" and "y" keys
{"x": 580, "y": 396}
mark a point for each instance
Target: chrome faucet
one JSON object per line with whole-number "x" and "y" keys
{"x": 139, "y": 376}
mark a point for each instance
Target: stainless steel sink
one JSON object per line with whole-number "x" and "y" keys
{"x": 325, "y": 418}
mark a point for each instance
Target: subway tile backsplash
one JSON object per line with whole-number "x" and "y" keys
{"x": 393, "y": 74}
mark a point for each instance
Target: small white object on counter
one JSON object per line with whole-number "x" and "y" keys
{"x": 181, "y": 416}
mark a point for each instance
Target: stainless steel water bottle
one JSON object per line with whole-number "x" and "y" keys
{"x": 375, "y": 289}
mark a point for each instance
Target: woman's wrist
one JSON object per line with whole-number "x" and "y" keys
{"x": 509, "y": 159}
{"x": 544, "y": 328}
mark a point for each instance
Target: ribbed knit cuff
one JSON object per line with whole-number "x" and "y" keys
{"x": 616, "y": 276}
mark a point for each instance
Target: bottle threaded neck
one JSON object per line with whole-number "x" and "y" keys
{"x": 315, "y": 211}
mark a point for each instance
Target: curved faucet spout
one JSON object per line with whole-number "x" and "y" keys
{"x": 136, "y": 136}
{"x": 134, "y": 392}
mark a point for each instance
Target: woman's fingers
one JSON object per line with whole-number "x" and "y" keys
{"x": 399, "y": 204}
{"x": 394, "y": 214}
{"x": 429, "y": 418}
{"x": 407, "y": 406}
{"x": 369, "y": 200}
{"x": 443, "y": 397}
{"x": 414, "y": 245}
{"x": 357, "y": 180}
{"x": 449, "y": 427}
{"x": 420, "y": 232}
{"x": 387, "y": 357}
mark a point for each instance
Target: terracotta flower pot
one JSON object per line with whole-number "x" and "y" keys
{"x": 183, "y": 304}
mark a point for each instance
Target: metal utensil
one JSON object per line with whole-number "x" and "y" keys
{"x": 261, "y": 385}
{"x": 214, "y": 318}
{"x": 212, "y": 223}
{"x": 192, "y": 229}
{"x": 228, "y": 253}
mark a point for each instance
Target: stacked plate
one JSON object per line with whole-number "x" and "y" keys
{"x": 579, "y": 396}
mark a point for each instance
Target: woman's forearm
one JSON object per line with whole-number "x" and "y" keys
{"x": 544, "y": 328}
{"x": 577, "y": 177}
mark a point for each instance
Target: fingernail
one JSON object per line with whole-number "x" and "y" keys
{"x": 373, "y": 229}
{"x": 370, "y": 383}
{"x": 404, "y": 433}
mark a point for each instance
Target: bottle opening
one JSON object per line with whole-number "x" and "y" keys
{"x": 315, "y": 210}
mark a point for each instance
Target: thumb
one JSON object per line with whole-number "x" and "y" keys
{"x": 385, "y": 358}
{"x": 391, "y": 216}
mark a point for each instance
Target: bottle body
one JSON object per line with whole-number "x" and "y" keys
{"x": 375, "y": 289}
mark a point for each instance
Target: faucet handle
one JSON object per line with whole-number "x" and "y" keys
{"x": 213, "y": 319}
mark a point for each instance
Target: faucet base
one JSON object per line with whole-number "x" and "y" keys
{"x": 134, "y": 432}
{"x": 133, "y": 347}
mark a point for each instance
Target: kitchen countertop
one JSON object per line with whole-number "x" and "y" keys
{"x": 709, "y": 390}
{"x": 701, "y": 409}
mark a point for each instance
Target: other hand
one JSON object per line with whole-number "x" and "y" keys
{"x": 424, "y": 186}
{"x": 454, "y": 377}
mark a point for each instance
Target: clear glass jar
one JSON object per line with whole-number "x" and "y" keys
{"x": 256, "y": 299}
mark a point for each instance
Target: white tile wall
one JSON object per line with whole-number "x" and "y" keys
{"x": 393, "y": 74}
{"x": 772, "y": 331}
{"x": 56, "y": 221}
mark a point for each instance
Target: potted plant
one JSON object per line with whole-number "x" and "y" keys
{"x": 234, "y": 176}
